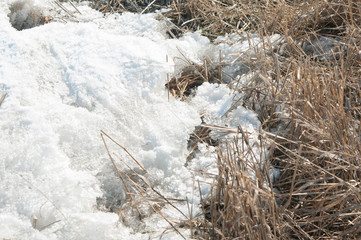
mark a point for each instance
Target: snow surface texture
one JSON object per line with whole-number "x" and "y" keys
{"x": 67, "y": 81}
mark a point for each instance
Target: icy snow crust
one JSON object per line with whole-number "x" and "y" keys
{"x": 65, "y": 83}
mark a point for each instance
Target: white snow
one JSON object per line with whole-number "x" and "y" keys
{"x": 67, "y": 81}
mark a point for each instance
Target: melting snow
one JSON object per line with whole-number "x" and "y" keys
{"x": 67, "y": 81}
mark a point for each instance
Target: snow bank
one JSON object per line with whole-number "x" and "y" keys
{"x": 65, "y": 83}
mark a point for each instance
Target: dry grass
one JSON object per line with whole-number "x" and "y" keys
{"x": 239, "y": 207}
{"x": 318, "y": 150}
{"x": 138, "y": 6}
{"x": 215, "y": 18}
{"x": 3, "y": 96}
{"x": 309, "y": 101}
{"x": 193, "y": 76}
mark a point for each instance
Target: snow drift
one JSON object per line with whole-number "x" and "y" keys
{"x": 67, "y": 81}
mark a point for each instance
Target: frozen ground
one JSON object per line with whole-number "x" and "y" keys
{"x": 65, "y": 82}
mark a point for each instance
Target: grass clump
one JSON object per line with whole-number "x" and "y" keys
{"x": 240, "y": 207}
{"x": 193, "y": 76}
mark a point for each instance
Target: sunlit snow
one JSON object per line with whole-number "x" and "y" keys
{"x": 65, "y": 82}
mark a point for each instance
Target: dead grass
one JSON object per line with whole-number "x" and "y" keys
{"x": 318, "y": 152}
{"x": 308, "y": 99}
{"x": 138, "y": 6}
{"x": 3, "y": 96}
{"x": 216, "y": 18}
{"x": 193, "y": 76}
{"x": 239, "y": 207}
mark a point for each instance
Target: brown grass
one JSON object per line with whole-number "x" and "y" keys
{"x": 239, "y": 207}
{"x": 193, "y": 76}
{"x": 138, "y": 6}
{"x": 2, "y": 98}
{"x": 308, "y": 100}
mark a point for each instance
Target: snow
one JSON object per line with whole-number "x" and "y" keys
{"x": 65, "y": 82}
